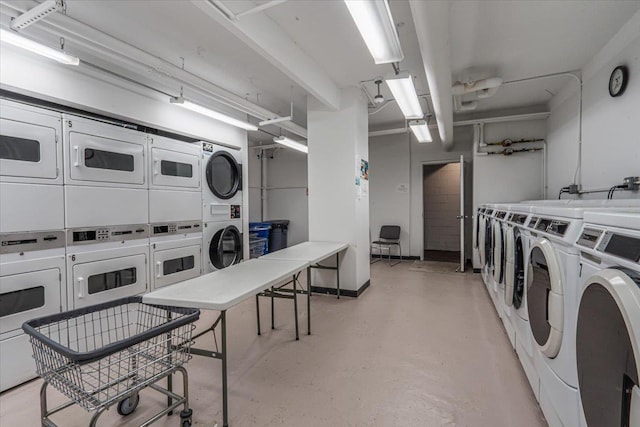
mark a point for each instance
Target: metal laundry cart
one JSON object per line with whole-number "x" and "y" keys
{"x": 103, "y": 355}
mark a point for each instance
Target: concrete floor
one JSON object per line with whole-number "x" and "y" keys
{"x": 416, "y": 349}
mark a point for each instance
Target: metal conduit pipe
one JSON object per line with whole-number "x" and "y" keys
{"x": 110, "y": 47}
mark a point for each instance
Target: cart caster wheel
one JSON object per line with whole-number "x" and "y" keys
{"x": 128, "y": 405}
{"x": 185, "y": 417}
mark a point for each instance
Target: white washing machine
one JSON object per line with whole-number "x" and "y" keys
{"x": 516, "y": 315}
{"x": 485, "y": 244}
{"x": 222, "y": 240}
{"x": 488, "y": 249}
{"x": 498, "y": 256}
{"x": 32, "y": 284}
{"x": 175, "y": 192}
{"x": 105, "y": 169}
{"x": 608, "y": 319}
{"x": 176, "y": 252}
{"x": 476, "y": 238}
{"x": 105, "y": 263}
{"x": 552, "y": 300}
{"x": 221, "y": 180}
{"x": 480, "y": 232}
{"x": 31, "y": 194}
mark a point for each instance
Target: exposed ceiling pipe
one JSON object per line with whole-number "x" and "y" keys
{"x": 146, "y": 63}
{"x": 431, "y": 19}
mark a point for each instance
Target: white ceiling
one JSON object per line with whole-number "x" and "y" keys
{"x": 512, "y": 40}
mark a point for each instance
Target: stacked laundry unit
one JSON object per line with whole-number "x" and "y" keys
{"x": 175, "y": 214}
{"x": 106, "y": 211}
{"x": 89, "y": 212}
{"x": 222, "y": 206}
{"x": 32, "y": 253}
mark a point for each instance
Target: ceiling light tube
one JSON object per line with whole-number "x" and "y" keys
{"x": 404, "y": 92}
{"x": 375, "y": 23}
{"x": 420, "y": 129}
{"x": 14, "y": 39}
{"x": 288, "y": 142}
{"x": 213, "y": 114}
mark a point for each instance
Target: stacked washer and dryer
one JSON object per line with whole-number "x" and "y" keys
{"x": 32, "y": 253}
{"x": 91, "y": 211}
{"x": 221, "y": 206}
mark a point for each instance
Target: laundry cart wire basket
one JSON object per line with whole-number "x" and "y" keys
{"x": 105, "y": 354}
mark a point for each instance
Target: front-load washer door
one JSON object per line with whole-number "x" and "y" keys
{"x": 518, "y": 268}
{"x": 105, "y": 280}
{"x": 225, "y": 248}
{"x": 99, "y": 159}
{"x": 29, "y": 295}
{"x": 498, "y": 252}
{"x": 545, "y": 297}
{"x": 607, "y": 348}
{"x": 176, "y": 265}
{"x": 29, "y": 150}
{"x": 481, "y": 240}
{"x": 174, "y": 169}
{"x": 488, "y": 245}
{"x": 224, "y": 175}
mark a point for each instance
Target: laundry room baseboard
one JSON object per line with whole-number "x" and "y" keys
{"x": 404, "y": 257}
{"x": 343, "y": 292}
{"x": 476, "y": 270}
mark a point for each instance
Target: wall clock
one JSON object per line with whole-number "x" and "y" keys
{"x": 618, "y": 80}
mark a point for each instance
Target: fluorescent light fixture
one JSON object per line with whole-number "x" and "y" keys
{"x": 375, "y": 23}
{"x": 288, "y": 142}
{"x": 14, "y": 39}
{"x": 420, "y": 129}
{"x": 213, "y": 114}
{"x": 404, "y": 92}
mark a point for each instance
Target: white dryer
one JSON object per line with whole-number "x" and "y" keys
{"x": 175, "y": 193}
{"x": 221, "y": 180}
{"x": 32, "y": 284}
{"x": 105, "y": 169}
{"x": 223, "y": 240}
{"x": 608, "y": 319}
{"x": 486, "y": 244}
{"x": 552, "y": 299}
{"x": 31, "y": 194}
{"x": 106, "y": 263}
{"x": 176, "y": 252}
{"x": 516, "y": 315}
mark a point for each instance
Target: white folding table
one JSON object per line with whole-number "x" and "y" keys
{"x": 311, "y": 252}
{"x": 220, "y": 291}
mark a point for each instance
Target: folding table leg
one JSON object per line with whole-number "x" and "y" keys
{"x": 308, "y": 300}
{"x": 273, "y": 319}
{"x": 338, "y": 274}
{"x": 258, "y": 312}
{"x": 295, "y": 305}
{"x": 223, "y": 324}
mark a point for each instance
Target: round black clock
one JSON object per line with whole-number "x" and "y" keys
{"x": 618, "y": 80}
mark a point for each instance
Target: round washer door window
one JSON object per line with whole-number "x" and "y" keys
{"x": 488, "y": 245}
{"x": 225, "y": 248}
{"x": 545, "y": 298}
{"x": 223, "y": 175}
{"x": 608, "y": 331}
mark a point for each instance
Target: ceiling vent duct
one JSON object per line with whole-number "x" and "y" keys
{"x": 482, "y": 88}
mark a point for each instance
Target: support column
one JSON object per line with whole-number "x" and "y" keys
{"x": 338, "y": 208}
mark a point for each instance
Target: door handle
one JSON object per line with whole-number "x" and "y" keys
{"x": 80, "y": 289}
{"x": 158, "y": 270}
{"x": 76, "y": 150}
{"x": 460, "y": 216}
{"x": 155, "y": 167}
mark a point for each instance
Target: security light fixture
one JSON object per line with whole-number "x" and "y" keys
{"x": 288, "y": 142}
{"x": 213, "y": 114}
{"x": 404, "y": 92}
{"x": 375, "y": 23}
{"x": 420, "y": 129}
{"x": 14, "y": 39}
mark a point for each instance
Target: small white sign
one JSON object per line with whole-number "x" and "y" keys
{"x": 402, "y": 188}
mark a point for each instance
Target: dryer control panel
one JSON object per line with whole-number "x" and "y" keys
{"x": 171, "y": 228}
{"x": 33, "y": 241}
{"x": 113, "y": 233}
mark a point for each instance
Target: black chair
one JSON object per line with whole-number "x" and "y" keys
{"x": 389, "y": 237}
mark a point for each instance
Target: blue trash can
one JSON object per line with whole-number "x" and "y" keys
{"x": 261, "y": 230}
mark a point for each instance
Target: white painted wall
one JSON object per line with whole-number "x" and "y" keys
{"x": 336, "y": 138}
{"x": 255, "y": 197}
{"x": 398, "y": 159}
{"x": 610, "y": 149}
